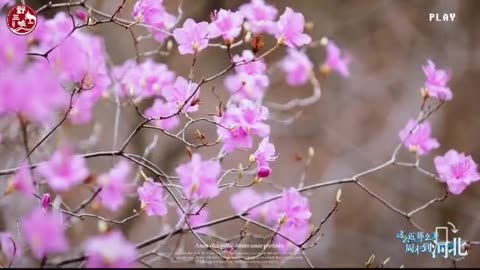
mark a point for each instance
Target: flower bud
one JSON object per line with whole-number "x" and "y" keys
{"x": 263, "y": 172}
{"x": 81, "y": 14}
{"x": 46, "y": 199}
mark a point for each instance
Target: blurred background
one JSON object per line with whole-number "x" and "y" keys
{"x": 353, "y": 127}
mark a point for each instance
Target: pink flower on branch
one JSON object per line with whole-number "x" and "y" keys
{"x": 115, "y": 186}
{"x": 247, "y": 86}
{"x": 297, "y": 66}
{"x": 161, "y": 109}
{"x": 457, "y": 170}
{"x": 152, "y": 198}
{"x": 139, "y": 81}
{"x": 336, "y": 60}
{"x": 197, "y": 218}
{"x": 13, "y": 48}
{"x": 199, "y": 178}
{"x": 289, "y": 29}
{"x": 153, "y": 13}
{"x": 292, "y": 209}
{"x": 298, "y": 234}
{"x": 44, "y": 232}
{"x": 436, "y": 82}
{"x": 264, "y": 154}
{"x": 181, "y": 91}
{"x": 226, "y": 24}
{"x": 22, "y": 181}
{"x": 260, "y": 16}
{"x": 40, "y": 85}
{"x": 292, "y": 214}
{"x": 246, "y": 198}
{"x": 417, "y": 138}
{"x": 240, "y": 122}
{"x": 252, "y": 66}
{"x": 64, "y": 169}
{"x": 192, "y": 37}
{"x": 111, "y": 250}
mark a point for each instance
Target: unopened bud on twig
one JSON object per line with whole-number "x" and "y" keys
{"x": 370, "y": 260}
{"x": 339, "y": 195}
{"x": 102, "y": 226}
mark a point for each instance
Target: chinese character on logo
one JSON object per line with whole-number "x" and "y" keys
{"x": 21, "y": 19}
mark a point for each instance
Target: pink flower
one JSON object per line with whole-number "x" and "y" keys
{"x": 45, "y": 203}
{"x": 252, "y": 66}
{"x": 115, "y": 186}
{"x": 153, "y": 13}
{"x": 161, "y": 109}
{"x": 44, "y": 232}
{"x": 81, "y": 14}
{"x": 52, "y": 32}
{"x": 195, "y": 219}
{"x": 247, "y": 198}
{"x": 6, "y": 2}
{"x": 180, "y": 92}
{"x": 419, "y": 140}
{"x": 13, "y": 48}
{"x": 192, "y": 37}
{"x": 144, "y": 80}
{"x": 436, "y": 83}
{"x": 264, "y": 154}
{"x": 40, "y": 85}
{"x": 292, "y": 209}
{"x": 22, "y": 181}
{"x": 155, "y": 76}
{"x": 81, "y": 60}
{"x": 9, "y": 247}
{"x": 64, "y": 169}
{"x": 290, "y": 29}
{"x": 152, "y": 198}
{"x": 111, "y": 250}
{"x": 260, "y": 16}
{"x": 82, "y": 109}
{"x": 250, "y": 81}
{"x": 226, "y": 24}
{"x": 297, "y": 234}
{"x": 199, "y": 178}
{"x": 336, "y": 60}
{"x": 247, "y": 86}
{"x": 242, "y": 120}
{"x": 297, "y": 66}
{"x": 457, "y": 170}
{"x": 292, "y": 214}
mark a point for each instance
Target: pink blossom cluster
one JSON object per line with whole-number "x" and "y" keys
{"x": 194, "y": 37}
{"x": 110, "y": 250}
{"x": 290, "y": 215}
{"x": 20, "y": 78}
{"x": 240, "y": 123}
{"x": 172, "y": 94}
{"x": 436, "y": 82}
{"x": 141, "y": 81}
{"x": 155, "y": 15}
{"x": 250, "y": 80}
{"x": 455, "y": 169}
{"x": 199, "y": 178}
{"x": 80, "y": 59}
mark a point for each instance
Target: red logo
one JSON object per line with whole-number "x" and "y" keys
{"x": 21, "y": 19}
